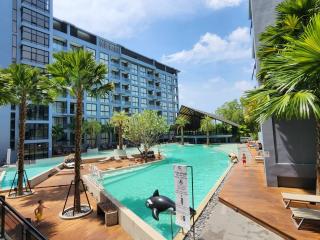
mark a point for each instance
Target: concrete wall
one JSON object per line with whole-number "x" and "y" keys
{"x": 290, "y": 144}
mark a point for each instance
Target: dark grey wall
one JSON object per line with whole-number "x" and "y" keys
{"x": 290, "y": 144}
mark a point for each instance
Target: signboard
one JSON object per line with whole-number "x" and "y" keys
{"x": 182, "y": 196}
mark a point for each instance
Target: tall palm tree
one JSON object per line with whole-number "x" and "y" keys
{"x": 92, "y": 128}
{"x": 206, "y": 126}
{"x": 78, "y": 73}
{"x": 181, "y": 122}
{"x": 24, "y": 84}
{"x": 119, "y": 119}
{"x": 292, "y": 90}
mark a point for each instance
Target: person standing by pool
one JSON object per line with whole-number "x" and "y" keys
{"x": 244, "y": 159}
{"x": 38, "y": 212}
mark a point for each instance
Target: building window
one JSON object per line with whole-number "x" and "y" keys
{"x": 40, "y": 4}
{"x": 135, "y": 101}
{"x": 12, "y": 130}
{"x": 92, "y": 51}
{"x": 133, "y": 68}
{"x": 143, "y": 92}
{"x": 35, "y": 18}
{"x": 91, "y": 98}
{"x": 134, "y": 90}
{"x": 35, "y": 151}
{"x": 59, "y": 107}
{"x": 104, "y": 98}
{"x": 37, "y": 112}
{"x": 135, "y": 110}
{"x": 91, "y": 109}
{"x": 34, "y": 55}
{"x": 35, "y": 36}
{"x": 58, "y": 45}
{"x": 104, "y": 110}
{"x": 143, "y": 71}
{"x": 62, "y": 121}
{"x": 134, "y": 79}
{"x": 143, "y": 102}
{"x": 35, "y": 131}
{"x": 104, "y": 58}
{"x": 75, "y": 47}
{"x": 143, "y": 82}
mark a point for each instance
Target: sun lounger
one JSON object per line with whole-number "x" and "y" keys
{"x": 291, "y": 197}
{"x": 130, "y": 157}
{"x": 301, "y": 214}
{"x": 104, "y": 160}
{"x": 117, "y": 158}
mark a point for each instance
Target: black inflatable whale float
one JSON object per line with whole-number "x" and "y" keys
{"x": 158, "y": 204}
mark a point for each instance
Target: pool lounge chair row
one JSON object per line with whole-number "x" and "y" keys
{"x": 299, "y": 215}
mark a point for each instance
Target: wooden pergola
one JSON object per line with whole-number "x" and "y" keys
{"x": 194, "y": 117}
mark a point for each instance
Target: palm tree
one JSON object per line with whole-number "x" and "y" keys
{"x": 24, "y": 84}
{"x": 207, "y": 126}
{"x": 119, "y": 119}
{"x": 78, "y": 72}
{"x": 292, "y": 90}
{"x": 181, "y": 122}
{"x": 92, "y": 128}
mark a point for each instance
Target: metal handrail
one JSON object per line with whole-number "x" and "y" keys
{"x": 27, "y": 225}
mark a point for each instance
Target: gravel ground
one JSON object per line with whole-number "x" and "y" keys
{"x": 206, "y": 213}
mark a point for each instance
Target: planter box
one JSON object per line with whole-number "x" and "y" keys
{"x": 111, "y": 218}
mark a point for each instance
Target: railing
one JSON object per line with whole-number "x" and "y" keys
{"x": 14, "y": 226}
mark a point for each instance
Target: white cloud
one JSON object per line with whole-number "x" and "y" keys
{"x": 212, "y": 93}
{"x": 219, "y": 4}
{"x": 120, "y": 18}
{"x": 213, "y": 48}
{"x": 244, "y": 85}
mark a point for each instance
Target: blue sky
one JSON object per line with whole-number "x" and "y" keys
{"x": 207, "y": 40}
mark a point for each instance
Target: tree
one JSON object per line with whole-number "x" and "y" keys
{"x": 119, "y": 120}
{"x": 92, "y": 128}
{"x": 145, "y": 128}
{"x": 78, "y": 72}
{"x": 232, "y": 111}
{"x": 181, "y": 122}
{"x": 290, "y": 77}
{"x": 206, "y": 126}
{"x": 57, "y": 132}
{"x": 24, "y": 84}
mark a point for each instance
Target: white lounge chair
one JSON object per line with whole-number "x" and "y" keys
{"x": 301, "y": 214}
{"x": 304, "y": 198}
{"x": 130, "y": 157}
{"x": 104, "y": 160}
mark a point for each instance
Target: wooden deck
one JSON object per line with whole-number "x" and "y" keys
{"x": 53, "y": 192}
{"x": 245, "y": 191}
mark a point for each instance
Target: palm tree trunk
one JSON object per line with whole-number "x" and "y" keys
{"x": 77, "y": 164}
{"x": 22, "y": 126}
{"x": 207, "y": 138}
{"x": 182, "y": 136}
{"x": 318, "y": 157}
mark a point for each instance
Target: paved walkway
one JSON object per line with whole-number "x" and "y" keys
{"x": 224, "y": 223}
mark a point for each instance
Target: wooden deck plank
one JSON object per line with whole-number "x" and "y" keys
{"x": 245, "y": 190}
{"x": 89, "y": 227}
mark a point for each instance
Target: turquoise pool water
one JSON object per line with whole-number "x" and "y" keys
{"x": 34, "y": 169}
{"x": 132, "y": 187}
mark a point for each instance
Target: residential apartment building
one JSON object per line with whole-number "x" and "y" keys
{"x": 290, "y": 146}
{"x": 30, "y": 35}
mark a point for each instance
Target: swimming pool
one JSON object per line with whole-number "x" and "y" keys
{"x": 32, "y": 170}
{"x": 133, "y": 186}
